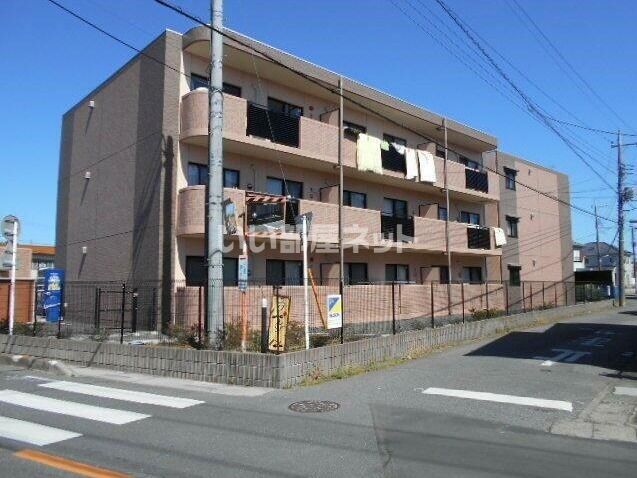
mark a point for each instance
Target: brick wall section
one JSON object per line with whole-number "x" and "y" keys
{"x": 268, "y": 370}
{"x": 24, "y": 300}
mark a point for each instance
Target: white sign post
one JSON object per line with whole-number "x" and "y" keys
{"x": 305, "y": 220}
{"x": 10, "y": 230}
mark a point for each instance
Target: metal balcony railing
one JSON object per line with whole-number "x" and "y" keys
{"x": 393, "y": 160}
{"x": 478, "y": 237}
{"x": 477, "y": 180}
{"x": 277, "y": 127}
{"x": 397, "y": 229}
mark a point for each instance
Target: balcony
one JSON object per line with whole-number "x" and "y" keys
{"x": 191, "y": 209}
{"x": 292, "y": 140}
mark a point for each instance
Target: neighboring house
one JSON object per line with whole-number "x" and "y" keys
{"x": 33, "y": 259}
{"x": 578, "y": 257}
{"x": 607, "y": 260}
{"x": 133, "y": 161}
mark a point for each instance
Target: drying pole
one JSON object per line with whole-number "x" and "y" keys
{"x": 214, "y": 241}
{"x": 341, "y": 252}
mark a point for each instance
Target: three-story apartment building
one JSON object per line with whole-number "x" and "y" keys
{"x": 131, "y": 201}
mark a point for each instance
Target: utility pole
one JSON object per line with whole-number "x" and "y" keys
{"x": 599, "y": 261}
{"x": 341, "y": 251}
{"x": 620, "y": 219}
{"x": 214, "y": 231}
{"x": 446, "y": 183}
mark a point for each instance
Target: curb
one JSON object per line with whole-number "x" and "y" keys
{"x": 31, "y": 363}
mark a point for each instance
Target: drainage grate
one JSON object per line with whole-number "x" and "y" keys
{"x": 314, "y": 406}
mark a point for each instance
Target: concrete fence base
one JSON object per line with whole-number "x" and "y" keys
{"x": 278, "y": 371}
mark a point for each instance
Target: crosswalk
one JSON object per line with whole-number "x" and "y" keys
{"x": 39, "y": 434}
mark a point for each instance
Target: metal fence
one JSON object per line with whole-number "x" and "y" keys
{"x": 156, "y": 313}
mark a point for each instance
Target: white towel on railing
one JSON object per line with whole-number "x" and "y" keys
{"x": 411, "y": 161}
{"x": 400, "y": 148}
{"x": 426, "y": 166}
{"x": 500, "y": 237}
{"x": 368, "y": 154}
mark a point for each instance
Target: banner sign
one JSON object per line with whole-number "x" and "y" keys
{"x": 52, "y": 299}
{"x": 334, "y": 311}
{"x": 279, "y": 322}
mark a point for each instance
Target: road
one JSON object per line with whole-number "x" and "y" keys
{"x": 552, "y": 401}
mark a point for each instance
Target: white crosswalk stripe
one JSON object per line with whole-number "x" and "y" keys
{"x": 33, "y": 433}
{"x": 74, "y": 409}
{"x": 122, "y": 394}
{"x": 500, "y": 398}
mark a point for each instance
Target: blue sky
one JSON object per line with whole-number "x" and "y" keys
{"x": 50, "y": 61}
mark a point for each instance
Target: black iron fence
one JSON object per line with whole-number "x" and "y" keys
{"x": 174, "y": 313}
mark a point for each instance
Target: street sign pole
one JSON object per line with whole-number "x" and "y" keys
{"x": 306, "y": 304}
{"x": 14, "y": 249}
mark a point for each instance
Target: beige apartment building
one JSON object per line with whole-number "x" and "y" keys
{"x": 131, "y": 201}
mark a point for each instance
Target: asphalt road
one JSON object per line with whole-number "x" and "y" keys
{"x": 551, "y": 411}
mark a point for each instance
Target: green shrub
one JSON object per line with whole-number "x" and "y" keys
{"x": 481, "y": 314}
{"x": 233, "y": 334}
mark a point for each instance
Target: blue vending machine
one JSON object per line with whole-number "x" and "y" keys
{"x": 53, "y": 287}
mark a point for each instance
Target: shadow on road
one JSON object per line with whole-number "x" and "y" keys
{"x": 609, "y": 346}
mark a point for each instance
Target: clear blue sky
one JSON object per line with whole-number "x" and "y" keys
{"x": 50, "y": 61}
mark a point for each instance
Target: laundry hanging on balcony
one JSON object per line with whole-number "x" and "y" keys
{"x": 265, "y": 212}
{"x": 426, "y": 166}
{"x": 499, "y": 236}
{"x": 368, "y": 156}
{"x": 411, "y": 160}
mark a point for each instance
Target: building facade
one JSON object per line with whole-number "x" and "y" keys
{"x": 131, "y": 201}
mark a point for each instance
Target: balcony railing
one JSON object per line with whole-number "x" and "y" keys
{"x": 476, "y": 180}
{"x": 478, "y": 237}
{"x": 277, "y": 127}
{"x": 397, "y": 229}
{"x": 393, "y": 160}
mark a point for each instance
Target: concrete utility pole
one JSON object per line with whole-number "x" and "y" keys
{"x": 599, "y": 261}
{"x": 446, "y": 181}
{"x": 214, "y": 239}
{"x": 620, "y": 219}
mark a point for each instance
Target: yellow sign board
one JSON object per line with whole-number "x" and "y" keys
{"x": 279, "y": 317}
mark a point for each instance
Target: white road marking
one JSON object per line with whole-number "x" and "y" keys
{"x": 74, "y": 409}
{"x": 630, "y": 391}
{"x": 565, "y": 355}
{"x": 547, "y": 363}
{"x": 495, "y": 397}
{"x": 121, "y": 394}
{"x": 33, "y": 433}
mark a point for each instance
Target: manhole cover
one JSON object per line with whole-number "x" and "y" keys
{"x": 314, "y": 406}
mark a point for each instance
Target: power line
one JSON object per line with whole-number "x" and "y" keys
{"x": 303, "y": 75}
{"x": 567, "y": 63}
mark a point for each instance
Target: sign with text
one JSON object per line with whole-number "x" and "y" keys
{"x": 279, "y": 317}
{"x": 334, "y": 311}
{"x": 53, "y": 280}
{"x": 243, "y": 273}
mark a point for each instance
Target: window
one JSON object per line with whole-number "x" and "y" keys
{"x": 440, "y": 151}
{"x": 472, "y": 274}
{"x": 354, "y": 199}
{"x": 394, "y": 140}
{"x": 230, "y": 271}
{"x": 280, "y": 188}
{"x": 510, "y": 178}
{"x": 469, "y": 163}
{"x": 196, "y": 273}
{"x": 470, "y": 217}
{"x": 514, "y": 275}
{"x": 512, "y": 226}
{"x": 198, "y": 81}
{"x": 283, "y": 272}
{"x": 232, "y": 90}
{"x": 397, "y": 272}
{"x": 284, "y": 108}
{"x": 577, "y": 255}
{"x": 352, "y": 130}
{"x": 355, "y": 272}
{"x": 197, "y": 174}
{"x": 395, "y": 207}
{"x": 443, "y": 274}
{"x": 442, "y": 213}
{"x": 230, "y": 178}
{"x": 393, "y": 158}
